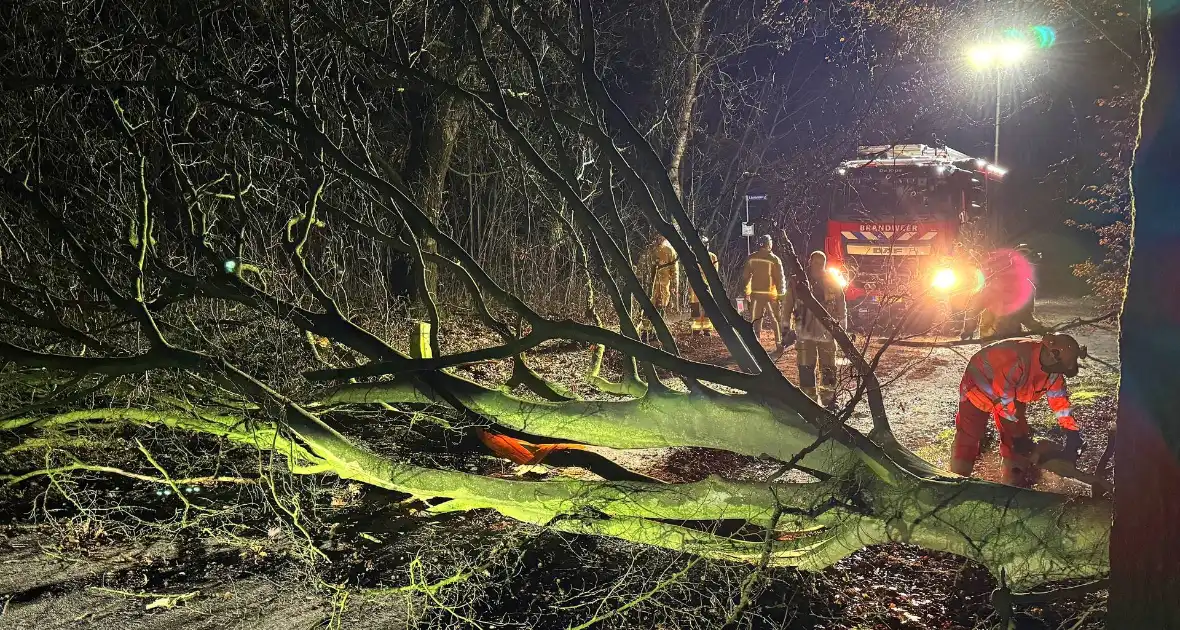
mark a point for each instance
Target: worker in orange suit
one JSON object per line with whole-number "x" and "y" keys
{"x": 999, "y": 383}
{"x": 701, "y": 324}
{"x": 765, "y": 282}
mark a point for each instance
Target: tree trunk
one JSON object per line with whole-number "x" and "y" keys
{"x": 432, "y": 144}
{"x": 1145, "y": 543}
{"x": 682, "y": 121}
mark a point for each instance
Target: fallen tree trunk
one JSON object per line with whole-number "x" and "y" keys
{"x": 1034, "y": 537}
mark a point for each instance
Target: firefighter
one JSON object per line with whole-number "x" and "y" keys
{"x": 764, "y": 282}
{"x": 665, "y": 279}
{"x": 1005, "y": 305}
{"x": 816, "y": 348}
{"x": 701, "y": 324}
{"x": 1000, "y": 381}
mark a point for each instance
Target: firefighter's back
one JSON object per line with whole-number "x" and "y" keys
{"x": 762, "y": 267}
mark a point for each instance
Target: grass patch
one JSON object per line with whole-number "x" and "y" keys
{"x": 937, "y": 452}
{"x": 1092, "y": 385}
{"x": 1086, "y": 396}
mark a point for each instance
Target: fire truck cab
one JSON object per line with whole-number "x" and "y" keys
{"x": 895, "y": 228}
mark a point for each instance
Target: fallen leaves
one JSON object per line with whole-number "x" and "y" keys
{"x": 171, "y": 601}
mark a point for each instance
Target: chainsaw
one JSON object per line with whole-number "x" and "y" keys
{"x": 1049, "y": 455}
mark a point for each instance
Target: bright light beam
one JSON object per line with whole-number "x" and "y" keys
{"x": 1005, "y": 53}
{"x": 945, "y": 279}
{"x": 841, "y": 281}
{"x": 982, "y": 56}
{"x": 1012, "y": 52}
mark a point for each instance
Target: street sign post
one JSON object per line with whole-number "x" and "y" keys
{"x": 747, "y": 227}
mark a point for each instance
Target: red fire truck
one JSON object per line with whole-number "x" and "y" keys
{"x": 894, "y": 227}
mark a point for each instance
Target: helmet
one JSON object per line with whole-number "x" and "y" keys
{"x": 1065, "y": 351}
{"x": 764, "y": 241}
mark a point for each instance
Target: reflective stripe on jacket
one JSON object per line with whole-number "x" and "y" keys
{"x": 764, "y": 274}
{"x": 1007, "y": 372}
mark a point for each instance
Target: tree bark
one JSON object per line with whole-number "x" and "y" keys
{"x": 432, "y": 144}
{"x": 687, "y": 97}
{"x": 1031, "y": 536}
{"x": 1145, "y": 543}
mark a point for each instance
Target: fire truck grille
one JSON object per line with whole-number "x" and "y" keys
{"x": 890, "y": 276}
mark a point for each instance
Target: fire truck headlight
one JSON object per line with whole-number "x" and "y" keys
{"x": 945, "y": 279}
{"x": 839, "y": 276}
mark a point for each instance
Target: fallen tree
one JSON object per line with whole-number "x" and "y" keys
{"x": 183, "y": 215}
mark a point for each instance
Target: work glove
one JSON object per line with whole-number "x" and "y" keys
{"x": 1023, "y": 446}
{"x": 1074, "y": 445}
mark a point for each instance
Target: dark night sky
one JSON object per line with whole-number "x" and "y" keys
{"x": 1046, "y": 121}
{"x": 1046, "y": 104}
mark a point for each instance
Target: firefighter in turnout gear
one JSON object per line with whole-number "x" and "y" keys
{"x": 765, "y": 282}
{"x": 816, "y": 349}
{"x": 1000, "y": 381}
{"x": 1004, "y": 306}
{"x": 663, "y": 268}
{"x": 701, "y": 324}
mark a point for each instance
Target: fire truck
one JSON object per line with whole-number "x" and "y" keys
{"x": 894, "y": 231}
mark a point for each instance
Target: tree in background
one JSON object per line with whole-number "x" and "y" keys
{"x": 1115, "y": 53}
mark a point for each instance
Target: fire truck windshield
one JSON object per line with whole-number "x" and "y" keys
{"x": 896, "y": 193}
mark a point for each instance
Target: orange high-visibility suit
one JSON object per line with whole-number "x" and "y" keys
{"x": 765, "y": 282}
{"x": 700, "y": 321}
{"x": 1000, "y": 380}
{"x": 519, "y": 451}
{"x": 524, "y": 452}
